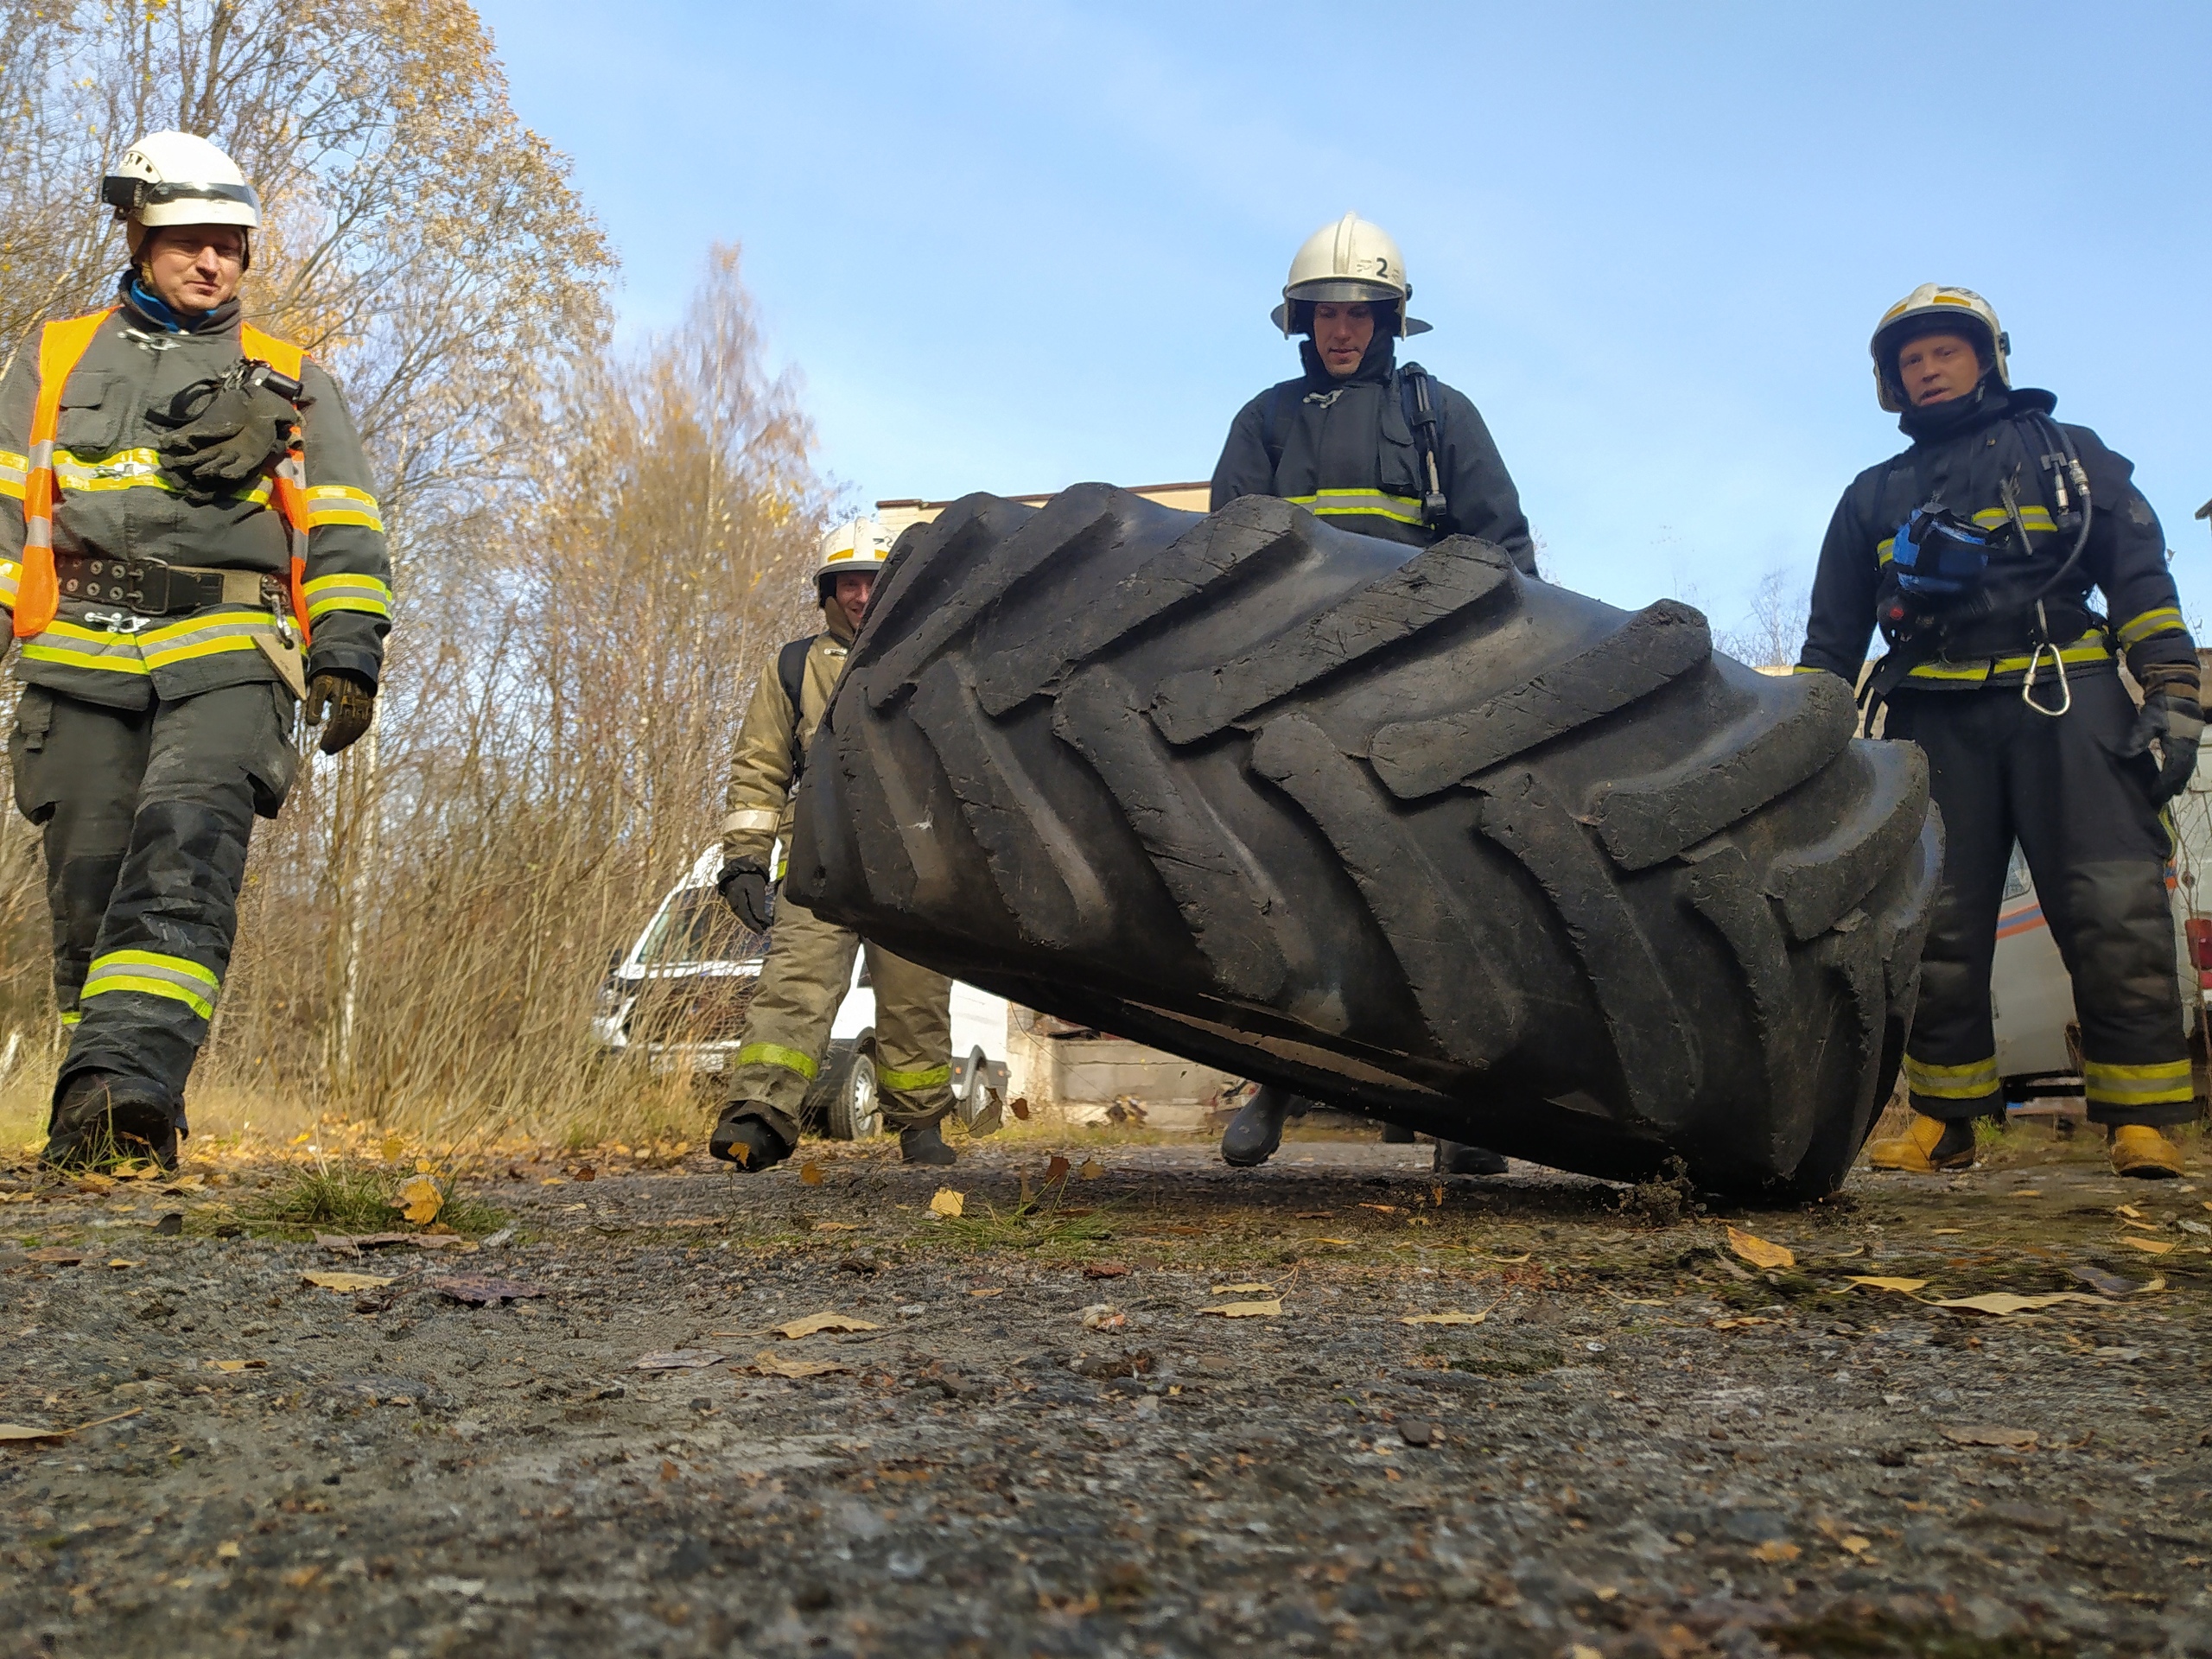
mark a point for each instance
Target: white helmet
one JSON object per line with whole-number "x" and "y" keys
{"x": 1934, "y": 308}
{"x": 174, "y": 178}
{"x": 1349, "y": 260}
{"x": 857, "y": 546}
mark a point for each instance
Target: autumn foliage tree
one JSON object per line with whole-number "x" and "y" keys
{"x": 594, "y": 554}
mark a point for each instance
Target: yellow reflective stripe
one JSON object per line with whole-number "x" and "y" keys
{"x": 11, "y": 576}
{"x": 775, "y": 1054}
{"x": 751, "y": 817}
{"x": 2089, "y": 648}
{"x": 2157, "y": 1083}
{"x": 1341, "y": 503}
{"x": 204, "y": 636}
{"x": 14, "y": 470}
{"x": 1969, "y": 1082}
{"x": 347, "y": 592}
{"x": 154, "y": 974}
{"x": 929, "y": 1079}
{"x": 341, "y": 504}
{"x": 128, "y": 469}
{"x": 74, "y": 646}
{"x": 1882, "y": 549}
{"x": 71, "y": 1018}
{"x": 191, "y": 625}
{"x": 2166, "y": 619}
{"x": 1802, "y": 669}
{"x": 2033, "y": 517}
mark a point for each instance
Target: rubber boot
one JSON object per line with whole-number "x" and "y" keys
{"x": 743, "y": 1138}
{"x": 1457, "y": 1158}
{"x": 2140, "y": 1150}
{"x": 926, "y": 1146}
{"x": 92, "y": 1128}
{"x": 1929, "y": 1145}
{"x": 1257, "y": 1130}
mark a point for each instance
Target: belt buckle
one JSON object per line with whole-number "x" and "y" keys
{"x": 124, "y": 622}
{"x": 148, "y": 588}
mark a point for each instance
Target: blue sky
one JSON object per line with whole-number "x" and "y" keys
{"x": 1013, "y": 246}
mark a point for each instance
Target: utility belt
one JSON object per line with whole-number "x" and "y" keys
{"x": 150, "y": 587}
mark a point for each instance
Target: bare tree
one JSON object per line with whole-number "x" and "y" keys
{"x": 1774, "y": 631}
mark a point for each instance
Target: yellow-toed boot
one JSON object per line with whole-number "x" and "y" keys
{"x": 1929, "y": 1145}
{"x": 2140, "y": 1150}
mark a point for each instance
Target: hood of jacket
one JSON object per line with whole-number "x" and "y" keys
{"x": 145, "y": 309}
{"x": 1382, "y": 356}
{"x": 1982, "y": 408}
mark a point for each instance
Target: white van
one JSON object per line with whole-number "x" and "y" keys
{"x": 676, "y": 999}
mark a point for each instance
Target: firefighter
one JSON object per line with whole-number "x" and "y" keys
{"x": 1374, "y": 447}
{"x": 810, "y": 962}
{"x": 187, "y": 510}
{"x": 1975, "y": 551}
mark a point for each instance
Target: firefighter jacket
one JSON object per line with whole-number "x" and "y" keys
{"x": 1345, "y": 449}
{"x": 109, "y": 502}
{"x": 772, "y": 743}
{"x": 1965, "y": 452}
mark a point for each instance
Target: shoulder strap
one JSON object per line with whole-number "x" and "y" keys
{"x": 790, "y": 674}
{"x": 1416, "y": 394}
{"x": 289, "y": 477}
{"x": 61, "y": 347}
{"x": 279, "y": 354}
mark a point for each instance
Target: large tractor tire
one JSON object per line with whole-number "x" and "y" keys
{"x": 1423, "y": 836}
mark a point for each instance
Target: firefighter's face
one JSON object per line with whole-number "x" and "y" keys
{"x": 851, "y": 594}
{"x": 193, "y": 267}
{"x": 1342, "y": 332}
{"x": 1936, "y": 368}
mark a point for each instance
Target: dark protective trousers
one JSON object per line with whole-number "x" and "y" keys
{"x": 147, "y": 814}
{"x": 2082, "y": 813}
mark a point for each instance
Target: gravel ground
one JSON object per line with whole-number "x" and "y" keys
{"x": 1647, "y": 1446}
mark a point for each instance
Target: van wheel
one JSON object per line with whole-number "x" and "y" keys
{"x": 855, "y": 1112}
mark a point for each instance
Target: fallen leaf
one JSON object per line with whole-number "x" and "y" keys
{"x": 237, "y": 1365}
{"x": 1854, "y": 1543}
{"x": 1020, "y": 1107}
{"x": 120, "y": 1262}
{"x": 25, "y": 1432}
{"x": 1244, "y": 1290}
{"x": 392, "y": 1148}
{"x": 55, "y": 1256}
{"x": 1333, "y": 1240}
{"x": 1105, "y": 1270}
{"x": 2018, "y": 1439}
{"x": 2146, "y": 1226}
{"x": 2026, "y": 1192}
{"x": 1759, "y": 1252}
{"x": 679, "y": 1359}
{"x": 478, "y": 1290}
{"x": 1387, "y": 1209}
{"x": 947, "y": 1202}
{"x": 1103, "y": 1316}
{"x": 1267, "y": 1310}
{"x": 420, "y": 1200}
{"x": 2002, "y": 1302}
{"x": 2158, "y": 1282}
{"x": 2129, "y": 1210}
{"x": 792, "y": 1330}
{"x": 1452, "y": 1316}
{"x": 1056, "y": 1171}
{"x": 809, "y": 1174}
{"x": 769, "y": 1363}
{"x": 348, "y": 1283}
{"x": 1776, "y": 1550}
{"x": 1730, "y": 1325}
{"x": 227, "y": 1550}
{"x": 1873, "y": 1281}
{"x": 95, "y": 1184}
{"x": 1949, "y": 1232}
{"x": 1512, "y": 1260}
{"x": 587, "y": 1172}
{"x": 1317, "y": 1214}
{"x": 2097, "y": 1279}
{"x": 1091, "y": 1170}
{"x": 2148, "y": 1246}
{"x": 994, "y": 1290}
{"x": 836, "y": 1226}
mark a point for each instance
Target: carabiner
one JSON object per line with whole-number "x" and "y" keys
{"x": 2028, "y": 685}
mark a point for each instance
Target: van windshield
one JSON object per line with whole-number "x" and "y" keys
{"x": 695, "y": 926}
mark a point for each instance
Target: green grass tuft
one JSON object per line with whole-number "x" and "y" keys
{"x": 353, "y": 1199}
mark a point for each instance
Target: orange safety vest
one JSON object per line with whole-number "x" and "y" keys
{"x": 61, "y": 347}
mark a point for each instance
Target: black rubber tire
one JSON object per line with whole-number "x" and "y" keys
{"x": 1424, "y": 835}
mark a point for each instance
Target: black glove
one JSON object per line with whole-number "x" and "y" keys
{"x": 743, "y": 885}
{"x": 348, "y": 703}
{"x": 2172, "y": 719}
{"x": 222, "y": 433}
